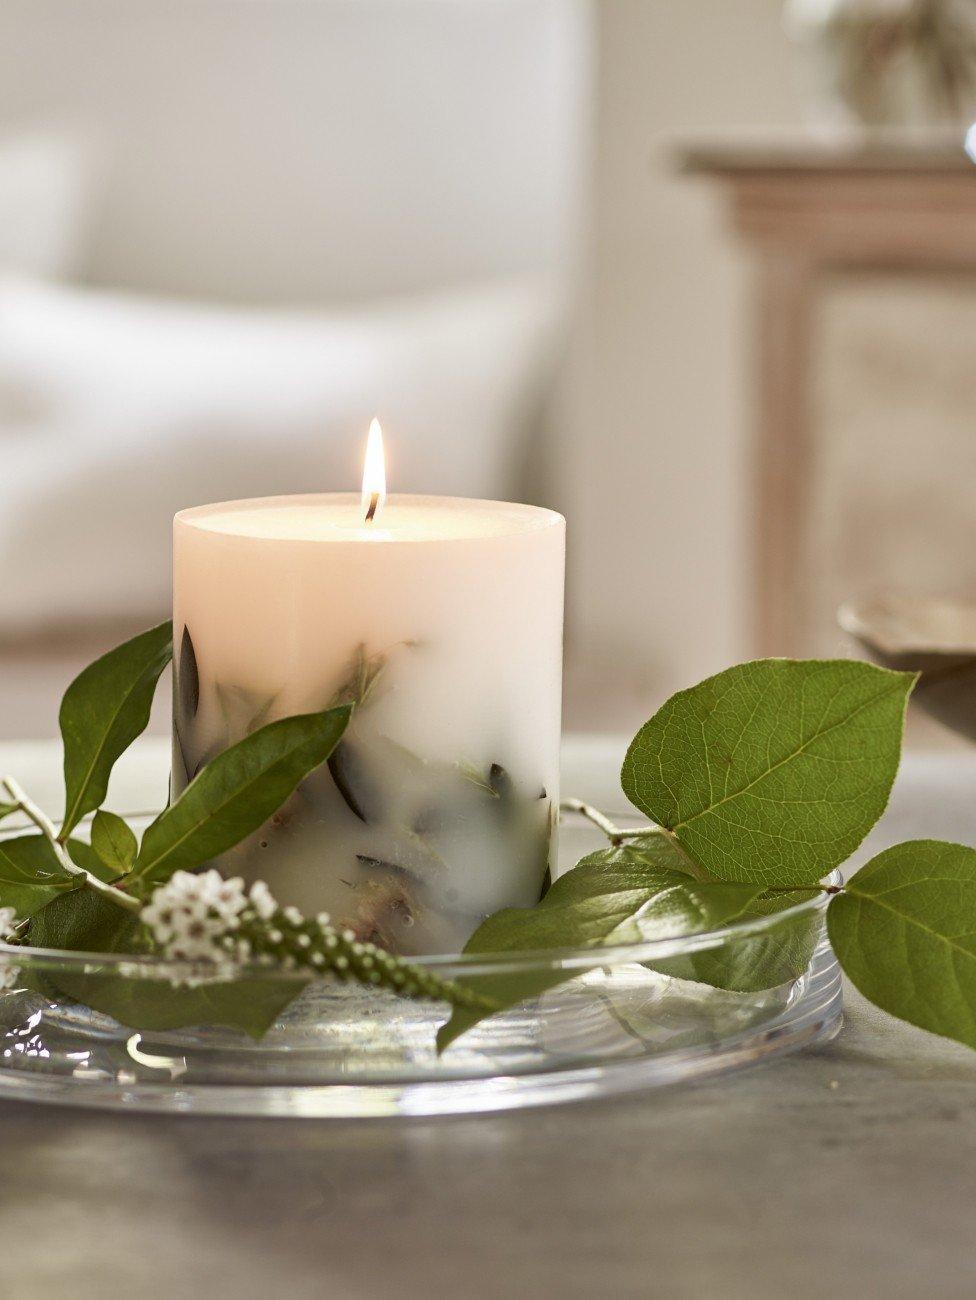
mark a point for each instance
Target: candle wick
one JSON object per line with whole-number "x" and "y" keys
{"x": 374, "y": 501}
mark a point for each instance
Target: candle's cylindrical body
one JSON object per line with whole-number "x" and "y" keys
{"x": 442, "y": 622}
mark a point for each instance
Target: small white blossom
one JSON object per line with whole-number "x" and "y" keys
{"x": 190, "y": 914}
{"x": 195, "y": 917}
{"x": 262, "y": 901}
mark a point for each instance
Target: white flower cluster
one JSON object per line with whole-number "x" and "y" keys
{"x": 194, "y": 917}
{"x": 220, "y": 924}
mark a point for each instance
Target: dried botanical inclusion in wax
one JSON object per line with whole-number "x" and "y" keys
{"x": 407, "y": 851}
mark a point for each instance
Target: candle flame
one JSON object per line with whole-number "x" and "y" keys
{"x": 374, "y": 472}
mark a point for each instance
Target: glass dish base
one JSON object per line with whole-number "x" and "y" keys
{"x": 344, "y": 1051}
{"x": 629, "y": 1017}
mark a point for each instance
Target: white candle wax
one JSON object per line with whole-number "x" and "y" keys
{"x": 438, "y": 806}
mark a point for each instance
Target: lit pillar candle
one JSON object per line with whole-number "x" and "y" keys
{"x": 441, "y": 619}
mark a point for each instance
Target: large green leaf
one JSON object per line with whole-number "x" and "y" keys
{"x": 774, "y": 770}
{"x": 104, "y": 709}
{"x": 904, "y": 931}
{"x": 618, "y": 896}
{"x": 30, "y": 874}
{"x": 252, "y": 1005}
{"x": 236, "y": 792}
{"x": 83, "y": 921}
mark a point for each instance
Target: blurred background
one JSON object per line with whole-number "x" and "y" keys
{"x": 700, "y": 275}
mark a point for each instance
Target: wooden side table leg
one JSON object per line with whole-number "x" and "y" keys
{"x": 782, "y": 460}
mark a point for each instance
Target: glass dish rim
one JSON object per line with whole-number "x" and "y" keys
{"x": 446, "y": 965}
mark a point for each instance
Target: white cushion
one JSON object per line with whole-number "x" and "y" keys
{"x": 312, "y": 151}
{"x": 116, "y": 411}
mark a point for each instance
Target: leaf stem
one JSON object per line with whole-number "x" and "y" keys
{"x": 593, "y": 815}
{"x": 615, "y": 834}
{"x": 19, "y": 930}
{"x": 43, "y": 823}
{"x": 812, "y": 889}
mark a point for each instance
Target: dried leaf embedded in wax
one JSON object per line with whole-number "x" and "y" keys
{"x": 188, "y": 677}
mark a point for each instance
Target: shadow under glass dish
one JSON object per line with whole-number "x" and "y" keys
{"x": 628, "y": 1018}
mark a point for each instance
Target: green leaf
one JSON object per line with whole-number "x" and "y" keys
{"x": 30, "y": 874}
{"x": 84, "y": 856}
{"x": 104, "y": 709}
{"x": 7, "y": 808}
{"x": 773, "y": 770}
{"x": 251, "y": 1005}
{"x": 758, "y": 959}
{"x": 618, "y": 896}
{"x": 113, "y": 841}
{"x": 904, "y": 930}
{"x": 657, "y": 849}
{"x": 83, "y": 921}
{"x": 236, "y": 793}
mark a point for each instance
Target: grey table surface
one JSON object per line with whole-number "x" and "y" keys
{"x": 848, "y": 1169}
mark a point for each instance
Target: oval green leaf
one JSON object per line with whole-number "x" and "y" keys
{"x": 104, "y": 709}
{"x": 114, "y": 841}
{"x": 774, "y": 770}
{"x": 236, "y": 792}
{"x": 904, "y": 930}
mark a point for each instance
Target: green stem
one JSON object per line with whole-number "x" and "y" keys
{"x": 613, "y": 833}
{"x": 313, "y": 944}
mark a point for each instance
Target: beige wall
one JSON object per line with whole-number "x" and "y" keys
{"x": 653, "y": 465}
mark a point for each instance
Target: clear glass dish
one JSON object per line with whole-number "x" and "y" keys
{"x": 630, "y": 1017}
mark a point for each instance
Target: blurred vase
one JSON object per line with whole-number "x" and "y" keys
{"x": 907, "y": 64}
